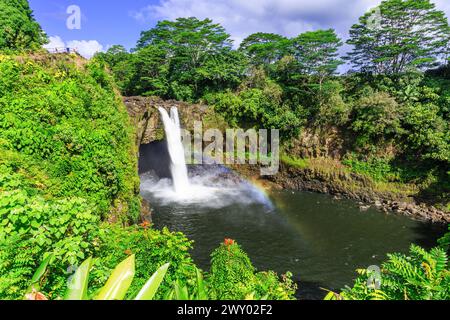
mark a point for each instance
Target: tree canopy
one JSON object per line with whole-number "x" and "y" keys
{"x": 273, "y": 81}
{"x": 18, "y": 28}
{"x": 182, "y": 59}
{"x": 399, "y": 35}
{"x": 317, "y": 53}
{"x": 264, "y": 48}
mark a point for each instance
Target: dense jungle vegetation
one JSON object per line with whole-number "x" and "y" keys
{"x": 69, "y": 188}
{"x": 392, "y": 105}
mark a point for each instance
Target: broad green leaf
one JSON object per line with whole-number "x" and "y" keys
{"x": 41, "y": 270}
{"x": 201, "y": 291}
{"x": 149, "y": 289}
{"x": 78, "y": 285}
{"x": 120, "y": 280}
{"x": 38, "y": 275}
{"x": 181, "y": 293}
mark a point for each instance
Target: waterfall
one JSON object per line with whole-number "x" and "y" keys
{"x": 208, "y": 186}
{"x": 178, "y": 166}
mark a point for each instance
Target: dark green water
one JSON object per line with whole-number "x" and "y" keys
{"x": 320, "y": 240}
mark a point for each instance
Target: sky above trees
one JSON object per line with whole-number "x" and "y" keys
{"x": 105, "y": 23}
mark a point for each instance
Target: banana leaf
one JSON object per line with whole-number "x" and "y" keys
{"x": 78, "y": 286}
{"x": 119, "y": 282}
{"x": 149, "y": 289}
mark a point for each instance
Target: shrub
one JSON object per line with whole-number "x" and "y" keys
{"x": 332, "y": 109}
{"x": 116, "y": 287}
{"x": 376, "y": 117}
{"x": 64, "y": 116}
{"x": 421, "y": 275}
{"x": 32, "y": 227}
{"x": 67, "y": 159}
{"x": 295, "y": 162}
{"x": 233, "y": 277}
{"x": 378, "y": 169}
{"x": 152, "y": 249}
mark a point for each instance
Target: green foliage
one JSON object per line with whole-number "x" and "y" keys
{"x": 119, "y": 281}
{"x": 233, "y": 277}
{"x": 182, "y": 59}
{"x": 294, "y": 161}
{"x": 181, "y": 292}
{"x": 31, "y": 227}
{"x": 376, "y": 116}
{"x": 421, "y": 275}
{"x": 316, "y": 53}
{"x": 331, "y": 107}
{"x": 399, "y": 35}
{"x": 116, "y": 286}
{"x": 231, "y": 272}
{"x": 378, "y": 169}
{"x": 263, "y": 49}
{"x": 128, "y": 278}
{"x": 18, "y": 28}
{"x": 258, "y": 105}
{"x": 152, "y": 249}
{"x": 66, "y": 161}
{"x": 69, "y": 122}
{"x": 428, "y": 132}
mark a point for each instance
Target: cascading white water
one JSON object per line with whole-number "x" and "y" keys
{"x": 178, "y": 166}
{"x": 207, "y": 189}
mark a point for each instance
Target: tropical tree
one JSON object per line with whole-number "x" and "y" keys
{"x": 399, "y": 35}
{"x": 123, "y": 66}
{"x": 151, "y": 71}
{"x": 317, "y": 53}
{"x": 264, "y": 48}
{"x": 187, "y": 40}
{"x": 114, "y": 54}
{"x": 18, "y": 28}
{"x": 195, "y": 51}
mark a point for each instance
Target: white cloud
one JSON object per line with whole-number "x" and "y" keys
{"x": 55, "y": 42}
{"x": 242, "y": 18}
{"x": 86, "y": 48}
{"x": 286, "y": 17}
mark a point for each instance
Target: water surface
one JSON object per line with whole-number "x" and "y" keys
{"x": 322, "y": 241}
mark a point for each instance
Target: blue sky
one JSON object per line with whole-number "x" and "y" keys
{"x": 108, "y": 22}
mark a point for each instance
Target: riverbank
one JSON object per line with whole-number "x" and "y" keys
{"x": 318, "y": 170}
{"x": 329, "y": 176}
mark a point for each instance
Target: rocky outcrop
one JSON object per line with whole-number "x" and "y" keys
{"x": 329, "y": 142}
{"x": 144, "y": 114}
{"x": 360, "y": 188}
{"x": 342, "y": 184}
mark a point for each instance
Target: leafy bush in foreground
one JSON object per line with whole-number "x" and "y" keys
{"x": 67, "y": 160}
{"x": 63, "y": 117}
{"x": 121, "y": 282}
{"x": 115, "y": 288}
{"x": 233, "y": 277}
{"x": 152, "y": 249}
{"x": 421, "y": 275}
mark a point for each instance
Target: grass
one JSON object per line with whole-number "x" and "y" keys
{"x": 295, "y": 162}
{"x": 347, "y": 178}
